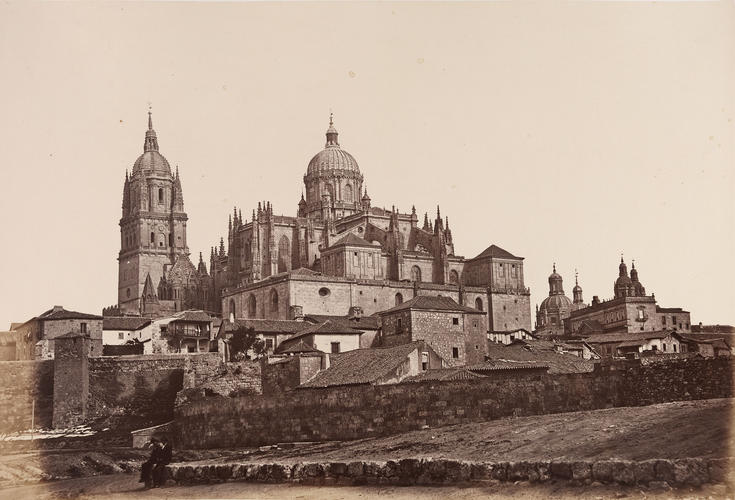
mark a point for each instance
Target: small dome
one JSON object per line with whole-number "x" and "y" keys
{"x": 623, "y": 280}
{"x": 555, "y": 303}
{"x": 577, "y": 288}
{"x": 152, "y": 161}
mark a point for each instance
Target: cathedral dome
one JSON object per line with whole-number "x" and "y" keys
{"x": 332, "y": 157}
{"x": 152, "y": 161}
{"x": 555, "y": 303}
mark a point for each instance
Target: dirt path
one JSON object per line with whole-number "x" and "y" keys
{"x": 125, "y": 486}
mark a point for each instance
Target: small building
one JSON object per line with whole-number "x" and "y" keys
{"x": 184, "y": 332}
{"x": 545, "y": 353}
{"x": 511, "y": 336}
{"x": 708, "y": 345}
{"x": 35, "y": 337}
{"x": 327, "y": 336}
{"x": 369, "y": 326}
{"x": 7, "y": 346}
{"x": 271, "y": 331}
{"x": 625, "y": 344}
{"x": 455, "y": 332}
{"x": 378, "y": 366}
{"x": 120, "y": 330}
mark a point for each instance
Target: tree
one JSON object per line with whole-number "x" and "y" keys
{"x": 245, "y": 344}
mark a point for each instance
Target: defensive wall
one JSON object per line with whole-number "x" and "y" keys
{"x": 361, "y": 411}
{"x": 26, "y": 387}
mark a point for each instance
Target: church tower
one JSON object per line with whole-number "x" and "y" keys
{"x": 153, "y": 224}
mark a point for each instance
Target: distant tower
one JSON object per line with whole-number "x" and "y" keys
{"x": 577, "y": 293}
{"x": 153, "y": 223}
{"x": 623, "y": 285}
{"x": 554, "y": 308}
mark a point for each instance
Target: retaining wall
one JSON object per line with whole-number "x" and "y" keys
{"x": 23, "y": 386}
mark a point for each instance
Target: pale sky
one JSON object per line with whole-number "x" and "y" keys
{"x": 562, "y": 132}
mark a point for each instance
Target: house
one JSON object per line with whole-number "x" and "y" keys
{"x": 542, "y": 353}
{"x": 378, "y": 366}
{"x": 35, "y": 337}
{"x": 457, "y": 333}
{"x": 708, "y": 345}
{"x": 369, "y": 326}
{"x": 120, "y": 330}
{"x": 184, "y": 332}
{"x": 7, "y": 345}
{"x": 510, "y": 336}
{"x": 489, "y": 369}
{"x": 271, "y": 331}
{"x": 624, "y": 343}
{"x": 327, "y": 336}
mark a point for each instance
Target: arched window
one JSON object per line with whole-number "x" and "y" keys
{"x": 170, "y": 239}
{"x": 416, "y": 274}
{"x": 232, "y": 311}
{"x": 453, "y": 277}
{"x": 399, "y": 299}
{"x": 347, "y": 194}
{"x": 153, "y": 237}
{"x": 478, "y": 304}
{"x": 328, "y": 188}
{"x": 274, "y": 301}
{"x": 160, "y": 195}
{"x": 284, "y": 254}
{"x": 252, "y": 306}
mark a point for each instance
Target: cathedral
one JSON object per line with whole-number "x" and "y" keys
{"x": 557, "y": 307}
{"x": 338, "y": 254}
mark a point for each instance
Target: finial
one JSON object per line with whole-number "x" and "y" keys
{"x": 331, "y": 118}
{"x": 554, "y": 266}
{"x": 239, "y": 215}
{"x": 438, "y": 214}
{"x": 576, "y": 277}
{"x": 150, "y": 118}
{"x": 621, "y": 257}
{"x": 632, "y": 264}
{"x": 201, "y": 259}
{"x": 446, "y": 222}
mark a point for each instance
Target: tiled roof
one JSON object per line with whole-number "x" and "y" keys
{"x": 557, "y": 362}
{"x": 353, "y": 240}
{"x": 324, "y": 328}
{"x": 303, "y": 271}
{"x": 496, "y": 251}
{"x": 443, "y": 374}
{"x": 362, "y": 323}
{"x": 286, "y": 326}
{"x": 13, "y": 326}
{"x": 361, "y": 366}
{"x": 431, "y": 303}
{"x": 195, "y": 316}
{"x": 727, "y": 338}
{"x": 506, "y": 364}
{"x": 669, "y": 310}
{"x": 604, "y": 338}
{"x": 298, "y": 347}
{"x": 124, "y": 323}
{"x": 64, "y": 314}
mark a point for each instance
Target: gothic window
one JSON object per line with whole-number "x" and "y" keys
{"x": 453, "y": 277}
{"x": 283, "y": 254}
{"x": 416, "y": 274}
{"x": 170, "y": 239}
{"x": 478, "y": 304}
{"x": 160, "y": 195}
{"x": 153, "y": 237}
{"x": 399, "y": 299}
{"x": 252, "y": 306}
{"x": 274, "y": 301}
{"x": 127, "y": 292}
{"x": 347, "y": 194}
{"x": 232, "y": 310}
{"x": 399, "y": 325}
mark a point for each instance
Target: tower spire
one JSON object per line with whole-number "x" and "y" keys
{"x": 332, "y": 133}
{"x": 151, "y": 141}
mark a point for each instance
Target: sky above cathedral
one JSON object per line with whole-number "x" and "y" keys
{"x": 561, "y": 132}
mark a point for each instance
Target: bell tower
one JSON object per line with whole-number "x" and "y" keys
{"x": 153, "y": 224}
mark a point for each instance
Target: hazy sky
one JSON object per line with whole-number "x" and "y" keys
{"x": 562, "y": 132}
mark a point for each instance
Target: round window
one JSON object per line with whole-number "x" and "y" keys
{"x": 359, "y": 229}
{"x": 323, "y": 291}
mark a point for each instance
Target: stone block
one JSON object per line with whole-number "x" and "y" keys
{"x": 239, "y": 471}
{"x": 719, "y": 470}
{"x": 691, "y": 471}
{"x": 623, "y": 472}
{"x": 517, "y": 471}
{"x": 664, "y": 471}
{"x": 581, "y": 470}
{"x": 645, "y": 471}
{"x": 560, "y": 470}
{"x": 355, "y": 469}
{"x": 481, "y": 471}
{"x": 538, "y": 471}
{"x": 223, "y": 472}
{"x": 408, "y": 470}
{"x": 499, "y": 471}
{"x": 337, "y": 469}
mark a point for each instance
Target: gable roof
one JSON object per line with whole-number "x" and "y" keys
{"x": 124, "y": 322}
{"x": 61, "y": 313}
{"x": 361, "y": 323}
{"x": 556, "y": 362}
{"x": 195, "y": 316}
{"x": 324, "y": 328}
{"x": 443, "y": 374}
{"x": 352, "y": 240}
{"x": 298, "y": 347}
{"x": 604, "y": 338}
{"x": 431, "y": 303}
{"x": 362, "y": 366}
{"x": 14, "y": 325}
{"x": 496, "y": 252}
{"x": 283, "y": 326}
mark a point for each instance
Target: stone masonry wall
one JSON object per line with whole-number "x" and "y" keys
{"x": 23, "y": 383}
{"x": 354, "y": 412}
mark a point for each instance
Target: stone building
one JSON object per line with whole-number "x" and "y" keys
{"x": 557, "y": 307}
{"x": 35, "y": 338}
{"x": 155, "y": 276}
{"x": 455, "y": 332}
{"x": 631, "y": 310}
{"x": 340, "y": 251}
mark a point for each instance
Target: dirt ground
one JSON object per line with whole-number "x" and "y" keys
{"x": 671, "y": 430}
{"x": 125, "y": 486}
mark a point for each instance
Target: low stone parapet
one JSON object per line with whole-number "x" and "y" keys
{"x": 430, "y": 472}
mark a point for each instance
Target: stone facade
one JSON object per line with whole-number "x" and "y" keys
{"x": 36, "y": 337}
{"x": 27, "y": 392}
{"x": 556, "y": 307}
{"x": 71, "y": 380}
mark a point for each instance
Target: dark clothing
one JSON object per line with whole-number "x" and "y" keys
{"x": 146, "y": 469}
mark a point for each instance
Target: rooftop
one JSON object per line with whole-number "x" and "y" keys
{"x": 495, "y": 251}
{"x": 287, "y": 326}
{"x": 360, "y": 323}
{"x": 58, "y": 312}
{"x": 603, "y": 338}
{"x": 538, "y": 355}
{"x": 431, "y": 303}
{"x": 124, "y": 322}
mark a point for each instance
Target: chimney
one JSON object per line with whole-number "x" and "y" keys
{"x": 296, "y": 313}
{"x": 325, "y": 361}
{"x": 355, "y": 312}
{"x": 57, "y": 308}
{"x": 595, "y": 300}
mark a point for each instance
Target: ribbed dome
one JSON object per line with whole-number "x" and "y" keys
{"x": 332, "y": 158}
{"x": 623, "y": 280}
{"x": 152, "y": 161}
{"x": 555, "y": 303}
